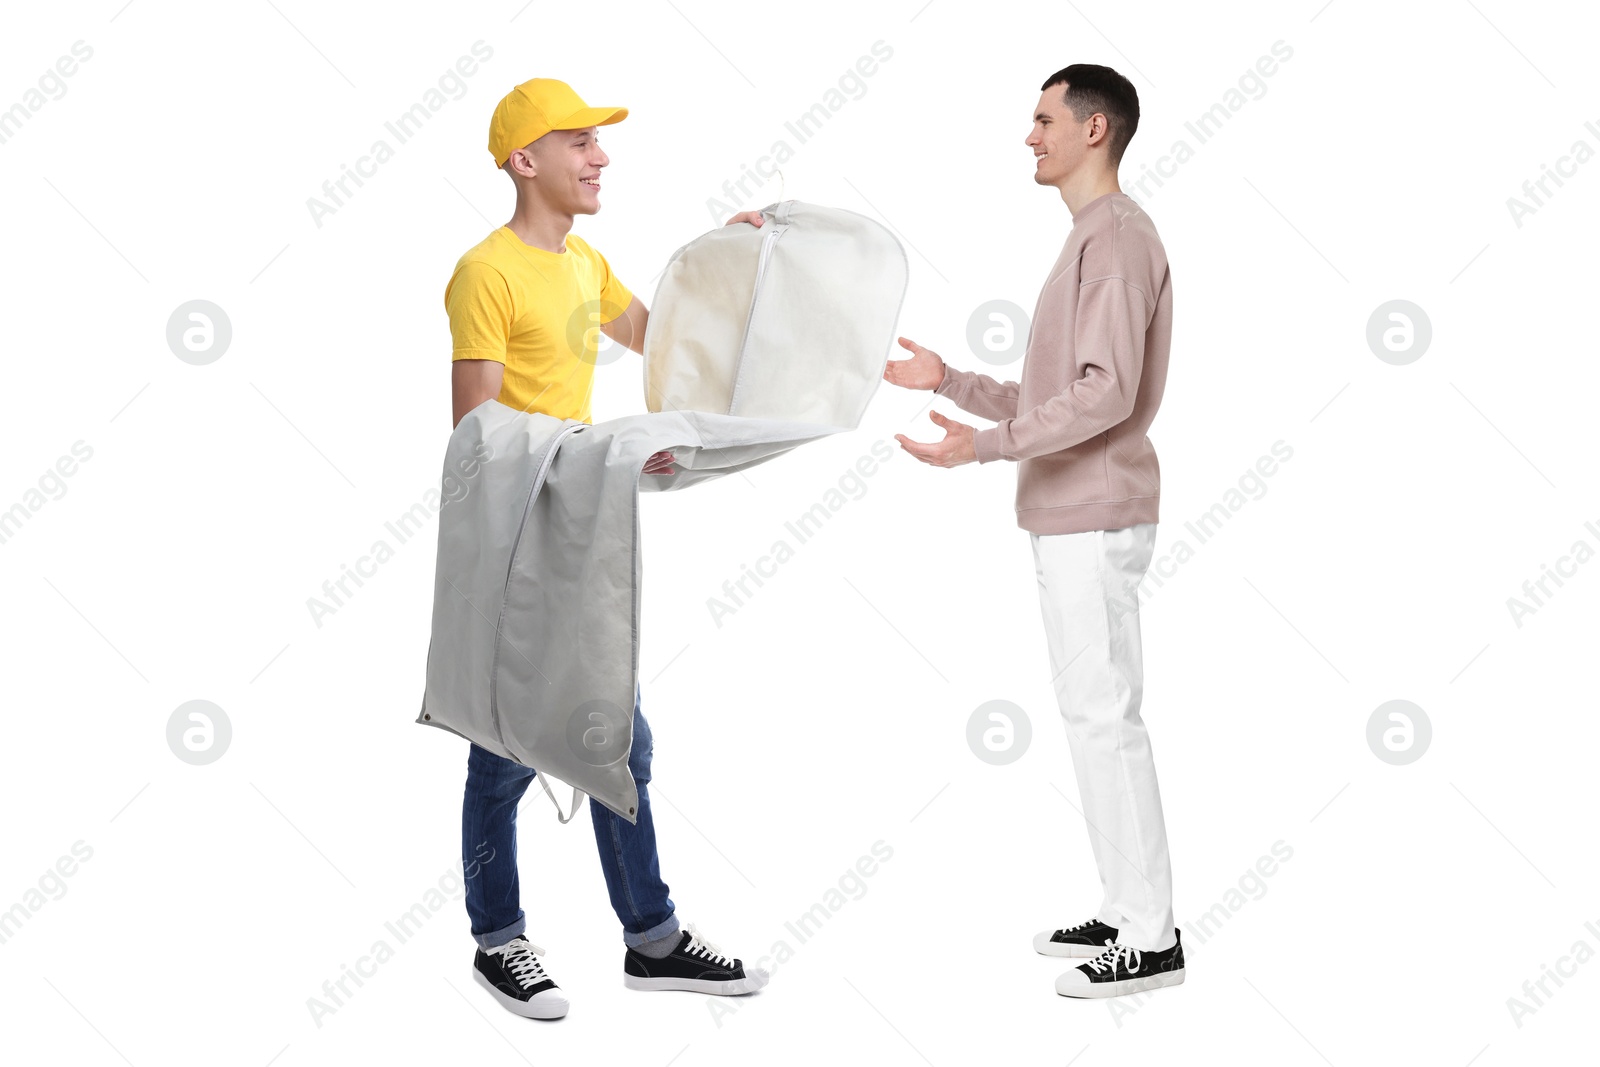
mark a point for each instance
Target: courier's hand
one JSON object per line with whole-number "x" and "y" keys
{"x": 660, "y": 463}
{"x": 953, "y": 451}
{"x": 924, "y": 370}
{"x": 754, "y": 218}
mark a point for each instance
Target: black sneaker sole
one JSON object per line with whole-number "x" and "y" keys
{"x": 539, "y": 1006}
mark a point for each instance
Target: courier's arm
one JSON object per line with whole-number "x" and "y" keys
{"x": 627, "y": 329}
{"x": 472, "y": 381}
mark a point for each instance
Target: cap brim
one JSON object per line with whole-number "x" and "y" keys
{"x": 591, "y": 116}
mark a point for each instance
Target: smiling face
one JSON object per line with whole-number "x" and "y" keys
{"x": 1059, "y": 141}
{"x": 563, "y": 169}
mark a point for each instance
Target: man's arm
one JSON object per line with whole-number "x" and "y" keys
{"x": 979, "y": 394}
{"x": 478, "y": 301}
{"x": 1109, "y": 336}
{"x": 472, "y": 381}
{"x": 972, "y": 392}
{"x": 628, "y": 328}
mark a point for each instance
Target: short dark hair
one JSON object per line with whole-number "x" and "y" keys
{"x": 1092, "y": 88}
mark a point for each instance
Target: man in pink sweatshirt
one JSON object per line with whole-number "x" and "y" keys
{"x": 1088, "y": 486}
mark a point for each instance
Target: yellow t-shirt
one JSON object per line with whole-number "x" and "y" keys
{"x": 538, "y": 312}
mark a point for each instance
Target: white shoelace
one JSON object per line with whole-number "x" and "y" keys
{"x": 1074, "y": 929}
{"x": 699, "y": 946}
{"x": 1131, "y": 957}
{"x": 522, "y": 960}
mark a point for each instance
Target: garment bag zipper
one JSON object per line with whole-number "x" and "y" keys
{"x": 775, "y": 230}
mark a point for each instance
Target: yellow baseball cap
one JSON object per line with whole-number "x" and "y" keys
{"x": 538, "y": 106}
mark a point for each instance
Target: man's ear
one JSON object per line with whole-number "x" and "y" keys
{"x": 1099, "y": 128}
{"x": 528, "y": 169}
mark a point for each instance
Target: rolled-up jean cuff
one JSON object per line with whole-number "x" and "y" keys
{"x": 500, "y": 937}
{"x": 655, "y": 933}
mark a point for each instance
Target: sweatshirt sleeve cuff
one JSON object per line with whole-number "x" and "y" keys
{"x": 986, "y": 443}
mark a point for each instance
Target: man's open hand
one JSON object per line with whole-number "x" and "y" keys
{"x": 953, "y": 451}
{"x": 660, "y": 463}
{"x": 924, "y": 370}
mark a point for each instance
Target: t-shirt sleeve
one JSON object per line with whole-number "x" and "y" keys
{"x": 614, "y": 296}
{"x": 478, "y": 301}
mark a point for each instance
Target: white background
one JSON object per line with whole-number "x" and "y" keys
{"x": 830, "y": 711}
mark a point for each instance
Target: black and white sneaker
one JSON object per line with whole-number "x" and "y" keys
{"x": 1120, "y": 969}
{"x": 1081, "y": 941}
{"x": 514, "y": 975}
{"x": 695, "y": 965}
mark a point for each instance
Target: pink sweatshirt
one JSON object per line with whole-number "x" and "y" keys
{"x": 1092, "y": 379}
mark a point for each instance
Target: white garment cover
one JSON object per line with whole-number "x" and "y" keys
{"x": 792, "y": 319}
{"x": 534, "y": 652}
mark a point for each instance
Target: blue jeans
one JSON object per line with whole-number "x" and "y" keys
{"x": 495, "y": 786}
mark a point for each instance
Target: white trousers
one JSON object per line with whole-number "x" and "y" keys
{"x": 1088, "y": 591}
